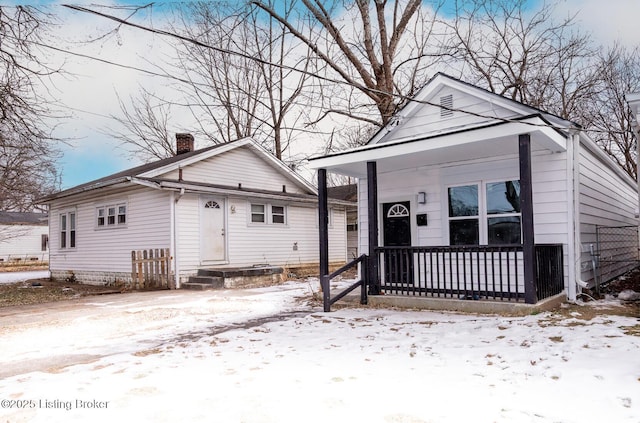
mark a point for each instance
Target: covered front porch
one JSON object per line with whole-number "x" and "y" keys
{"x": 520, "y": 271}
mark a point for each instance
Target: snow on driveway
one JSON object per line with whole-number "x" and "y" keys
{"x": 266, "y": 356}
{"x": 12, "y": 277}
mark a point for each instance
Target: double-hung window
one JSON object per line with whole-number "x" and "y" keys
{"x": 68, "y": 230}
{"x": 268, "y": 214}
{"x": 258, "y": 212}
{"x": 277, "y": 215}
{"x": 485, "y": 213}
{"x": 111, "y": 216}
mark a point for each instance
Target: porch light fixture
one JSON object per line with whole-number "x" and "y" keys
{"x": 422, "y": 197}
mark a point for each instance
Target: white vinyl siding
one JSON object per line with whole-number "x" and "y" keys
{"x": 238, "y": 167}
{"x": 296, "y": 243}
{"x": 606, "y": 199}
{"x": 23, "y": 242}
{"x": 148, "y": 226}
{"x": 250, "y": 244}
{"x": 549, "y": 187}
{"x": 427, "y": 119}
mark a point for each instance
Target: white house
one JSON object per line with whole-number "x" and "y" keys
{"x": 467, "y": 194}
{"x": 24, "y": 237}
{"x": 227, "y": 206}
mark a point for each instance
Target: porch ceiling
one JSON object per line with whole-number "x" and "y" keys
{"x": 489, "y": 141}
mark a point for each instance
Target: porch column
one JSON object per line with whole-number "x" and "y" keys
{"x": 323, "y": 229}
{"x": 526, "y": 210}
{"x": 372, "y": 213}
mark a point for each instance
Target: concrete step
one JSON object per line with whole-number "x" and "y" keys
{"x": 194, "y": 286}
{"x": 204, "y": 282}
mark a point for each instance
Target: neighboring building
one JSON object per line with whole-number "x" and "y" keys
{"x": 24, "y": 237}
{"x": 477, "y": 196}
{"x": 227, "y": 206}
{"x": 348, "y": 193}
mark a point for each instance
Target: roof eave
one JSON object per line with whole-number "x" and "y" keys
{"x": 83, "y": 188}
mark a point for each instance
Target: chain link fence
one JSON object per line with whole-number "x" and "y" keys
{"x": 617, "y": 251}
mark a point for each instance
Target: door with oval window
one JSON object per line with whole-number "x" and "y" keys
{"x": 396, "y": 230}
{"x": 212, "y": 230}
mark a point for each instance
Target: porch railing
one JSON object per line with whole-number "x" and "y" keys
{"x": 325, "y": 282}
{"x": 468, "y": 272}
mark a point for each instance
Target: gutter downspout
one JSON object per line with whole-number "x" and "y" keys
{"x": 174, "y": 235}
{"x": 574, "y": 252}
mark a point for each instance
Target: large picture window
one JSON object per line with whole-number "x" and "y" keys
{"x": 485, "y": 213}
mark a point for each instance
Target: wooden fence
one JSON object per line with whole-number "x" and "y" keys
{"x": 151, "y": 269}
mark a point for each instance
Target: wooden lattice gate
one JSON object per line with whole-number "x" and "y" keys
{"x": 151, "y": 269}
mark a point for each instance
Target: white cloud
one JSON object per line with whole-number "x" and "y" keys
{"x": 607, "y": 21}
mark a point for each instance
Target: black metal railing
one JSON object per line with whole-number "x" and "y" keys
{"x": 468, "y": 272}
{"x": 325, "y": 283}
{"x": 549, "y": 270}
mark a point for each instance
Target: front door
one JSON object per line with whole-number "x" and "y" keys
{"x": 396, "y": 229}
{"x": 212, "y": 229}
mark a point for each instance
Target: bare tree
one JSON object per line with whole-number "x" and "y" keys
{"x": 611, "y": 122}
{"x": 145, "y": 126}
{"x": 256, "y": 93}
{"x": 531, "y": 58}
{"x": 27, "y": 151}
{"x": 379, "y": 49}
{"x": 528, "y": 57}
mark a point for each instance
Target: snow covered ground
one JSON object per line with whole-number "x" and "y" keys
{"x": 12, "y": 277}
{"x": 266, "y": 355}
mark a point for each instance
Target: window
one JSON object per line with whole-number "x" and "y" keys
{"x": 269, "y": 214}
{"x": 258, "y": 213}
{"x": 63, "y": 231}
{"x": 492, "y": 218}
{"x": 503, "y": 212}
{"x": 112, "y": 216}
{"x": 277, "y": 214}
{"x": 44, "y": 242}
{"x": 122, "y": 215}
{"x": 68, "y": 230}
{"x": 463, "y": 215}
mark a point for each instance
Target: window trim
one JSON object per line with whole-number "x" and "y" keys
{"x": 268, "y": 213}
{"x": 273, "y": 214}
{"x": 252, "y": 213}
{"x": 103, "y": 218}
{"x": 68, "y": 238}
{"x": 483, "y": 215}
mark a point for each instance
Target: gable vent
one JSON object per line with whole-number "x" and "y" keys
{"x": 446, "y": 103}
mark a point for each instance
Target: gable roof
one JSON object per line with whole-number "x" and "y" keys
{"x": 152, "y": 170}
{"x": 23, "y": 218}
{"x": 424, "y": 97}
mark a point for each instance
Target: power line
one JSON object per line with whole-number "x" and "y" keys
{"x": 263, "y": 62}
{"x": 290, "y": 68}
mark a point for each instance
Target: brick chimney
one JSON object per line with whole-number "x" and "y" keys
{"x": 184, "y": 143}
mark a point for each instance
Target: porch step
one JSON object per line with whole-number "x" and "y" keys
{"x": 202, "y": 283}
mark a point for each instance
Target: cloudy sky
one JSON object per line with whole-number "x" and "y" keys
{"x": 91, "y": 88}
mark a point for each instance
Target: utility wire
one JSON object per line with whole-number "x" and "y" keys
{"x": 311, "y": 74}
{"x": 268, "y": 63}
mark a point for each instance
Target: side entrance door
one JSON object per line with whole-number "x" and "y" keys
{"x": 396, "y": 229}
{"x": 212, "y": 229}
